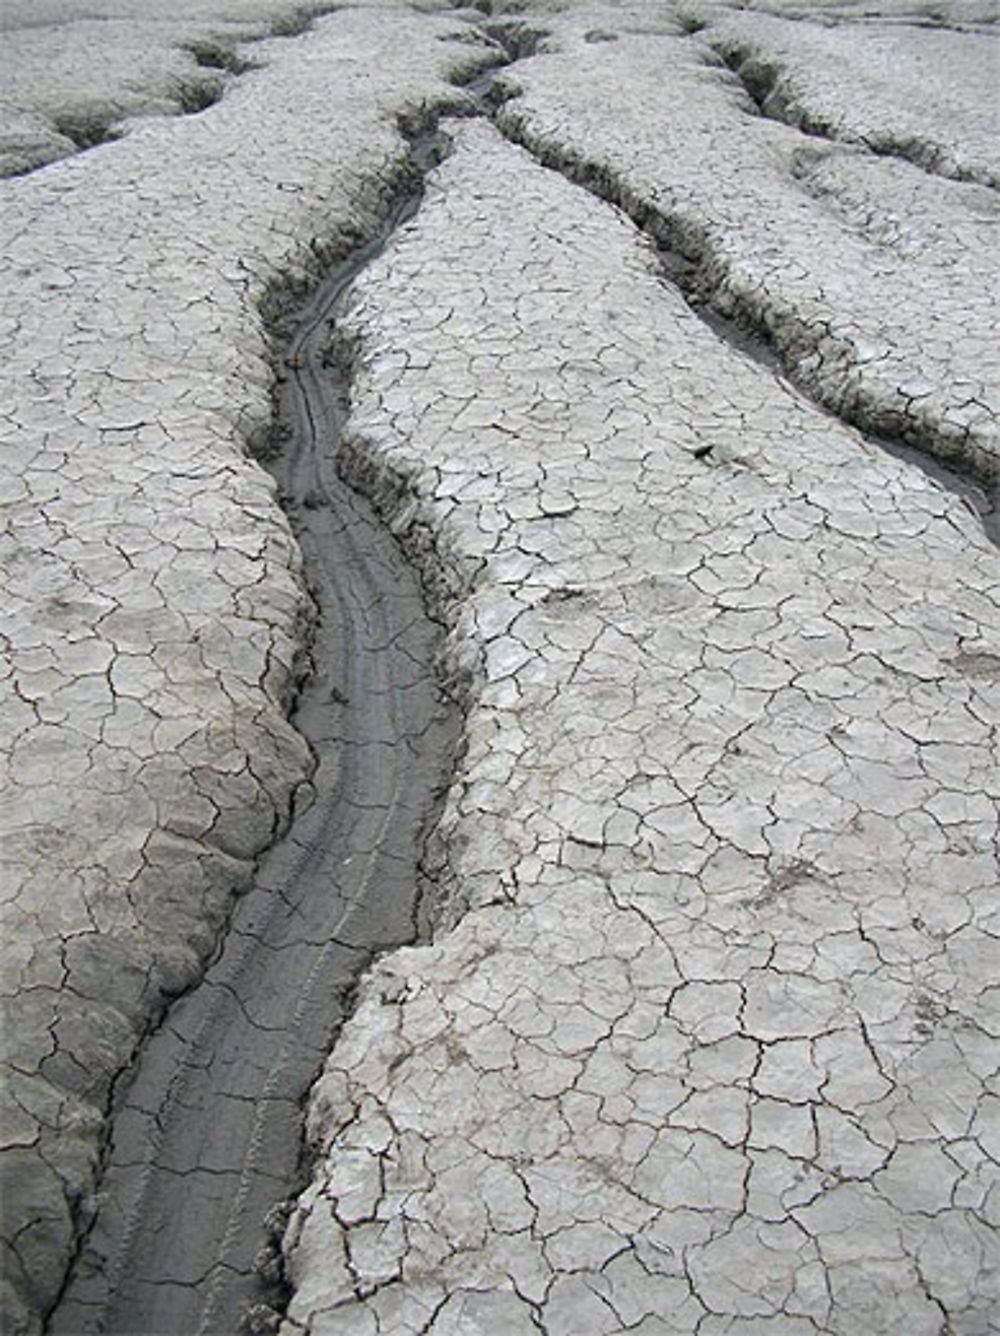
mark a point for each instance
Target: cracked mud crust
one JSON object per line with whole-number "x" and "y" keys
{"x": 74, "y": 77}
{"x": 208, "y": 1124}
{"x": 706, "y": 1040}
{"x": 154, "y": 608}
{"x": 875, "y": 281}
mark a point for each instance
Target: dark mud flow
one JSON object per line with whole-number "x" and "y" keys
{"x": 207, "y": 1133}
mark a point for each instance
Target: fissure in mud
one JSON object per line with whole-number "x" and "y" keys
{"x": 685, "y": 260}
{"x": 207, "y": 1133}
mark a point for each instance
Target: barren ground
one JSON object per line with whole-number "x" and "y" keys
{"x": 656, "y": 436}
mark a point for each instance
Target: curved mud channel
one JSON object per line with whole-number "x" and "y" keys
{"x": 207, "y": 1131}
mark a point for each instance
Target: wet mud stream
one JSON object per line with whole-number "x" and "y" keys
{"x": 206, "y": 1134}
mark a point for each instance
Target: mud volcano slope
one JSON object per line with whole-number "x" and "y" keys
{"x": 705, "y": 1039}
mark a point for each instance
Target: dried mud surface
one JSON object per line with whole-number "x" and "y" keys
{"x": 705, "y": 1039}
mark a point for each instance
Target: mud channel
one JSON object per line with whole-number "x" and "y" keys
{"x": 206, "y": 1136}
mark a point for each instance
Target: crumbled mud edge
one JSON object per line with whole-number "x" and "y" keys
{"x": 377, "y": 205}
{"x": 772, "y": 89}
{"x": 397, "y": 493}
